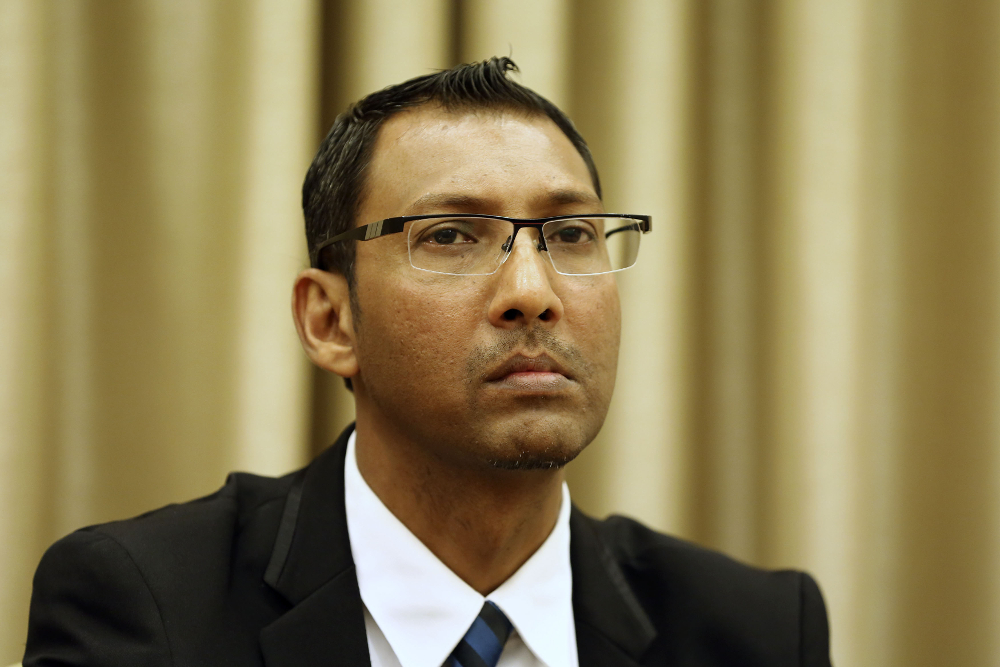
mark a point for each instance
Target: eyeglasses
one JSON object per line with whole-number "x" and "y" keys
{"x": 476, "y": 244}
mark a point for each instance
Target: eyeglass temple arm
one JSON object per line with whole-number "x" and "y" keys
{"x": 645, "y": 226}
{"x": 362, "y": 233}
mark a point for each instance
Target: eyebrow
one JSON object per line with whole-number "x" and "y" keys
{"x": 472, "y": 204}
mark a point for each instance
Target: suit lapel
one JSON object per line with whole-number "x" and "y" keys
{"x": 611, "y": 627}
{"x": 312, "y": 568}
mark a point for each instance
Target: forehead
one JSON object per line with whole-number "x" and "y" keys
{"x": 430, "y": 160}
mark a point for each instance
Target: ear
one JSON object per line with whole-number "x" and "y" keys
{"x": 321, "y": 307}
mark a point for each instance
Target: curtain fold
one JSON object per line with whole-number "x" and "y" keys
{"x": 809, "y": 372}
{"x": 155, "y": 150}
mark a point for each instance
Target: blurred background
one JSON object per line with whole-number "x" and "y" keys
{"x": 810, "y": 369}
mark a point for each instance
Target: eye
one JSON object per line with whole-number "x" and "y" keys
{"x": 444, "y": 236}
{"x": 450, "y": 233}
{"x": 572, "y": 234}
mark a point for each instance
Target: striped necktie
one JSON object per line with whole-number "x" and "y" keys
{"x": 482, "y": 644}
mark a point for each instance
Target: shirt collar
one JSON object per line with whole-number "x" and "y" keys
{"x": 424, "y": 609}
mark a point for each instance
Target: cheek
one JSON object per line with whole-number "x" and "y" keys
{"x": 418, "y": 332}
{"x": 593, "y": 317}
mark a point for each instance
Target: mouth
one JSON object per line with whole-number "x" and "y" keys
{"x": 521, "y": 372}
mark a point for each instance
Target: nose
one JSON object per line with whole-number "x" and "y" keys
{"x": 524, "y": 294}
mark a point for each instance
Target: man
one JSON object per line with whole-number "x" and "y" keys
{"x": 463, "y": 285}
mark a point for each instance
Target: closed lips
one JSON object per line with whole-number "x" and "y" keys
{"x": 525, "y": 364}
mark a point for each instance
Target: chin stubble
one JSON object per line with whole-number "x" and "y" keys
{"x": 533, "y": 461}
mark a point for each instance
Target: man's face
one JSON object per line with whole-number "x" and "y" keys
{"x": 510, "y": 370}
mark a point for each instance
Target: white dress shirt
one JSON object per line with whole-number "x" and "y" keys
{"x": 417, "y": 610}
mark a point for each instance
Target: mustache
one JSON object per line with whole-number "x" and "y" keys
{"x": 534, "y": 341}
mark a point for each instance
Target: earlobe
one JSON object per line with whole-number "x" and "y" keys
{"x": 321, "y": 308}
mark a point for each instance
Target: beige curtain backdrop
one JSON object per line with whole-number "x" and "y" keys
{"x": 810, "y": 370}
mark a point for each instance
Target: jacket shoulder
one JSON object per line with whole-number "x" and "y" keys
{"x": 647, "y": 551}
{"x": 242, "y": 501}
{"x": 199, "y": 540}
{"x": 718, "y": 606}
{"x": 175, "y": 581}
{"x": 91, "y": 605}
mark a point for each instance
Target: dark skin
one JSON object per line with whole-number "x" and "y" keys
{"x": 471, "y": 392}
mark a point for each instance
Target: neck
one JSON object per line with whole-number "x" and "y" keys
{"x": 483, "y": 523}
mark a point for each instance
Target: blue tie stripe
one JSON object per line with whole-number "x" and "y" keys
{"x": 483, "y": 643}
{"x": 496, "y": 620}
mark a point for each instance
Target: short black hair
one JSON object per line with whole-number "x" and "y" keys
{"x": 335, "y": 182}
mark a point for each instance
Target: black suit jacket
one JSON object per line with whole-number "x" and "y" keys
{"x": 261, "y": 573}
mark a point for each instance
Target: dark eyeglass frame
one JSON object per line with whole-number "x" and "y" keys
{"x": 379, "y": 228}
